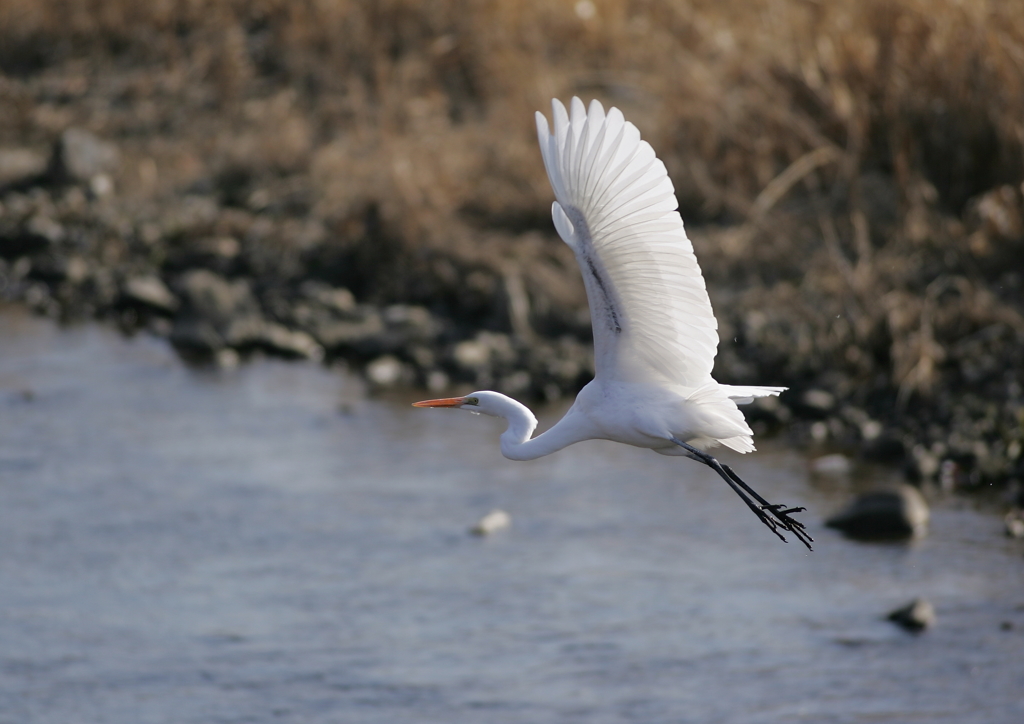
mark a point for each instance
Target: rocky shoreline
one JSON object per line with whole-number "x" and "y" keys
{"x": 214, "y": 294}
{"x": 207, "y": 277}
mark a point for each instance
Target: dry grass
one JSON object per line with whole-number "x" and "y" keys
{"x": 835, "y": 153}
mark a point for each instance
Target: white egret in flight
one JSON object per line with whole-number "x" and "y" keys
{"x": 655, "y": 336}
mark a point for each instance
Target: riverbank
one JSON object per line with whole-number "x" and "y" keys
{"x": 361, "y": 183}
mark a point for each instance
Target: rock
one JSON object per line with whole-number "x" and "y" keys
{"x": 818, "y": 400}
{"x": 52, "y": 267}
{"x": 415, "y": 320}
{"x": 79, "y": 156}
{"x": 894, "y": 514}
{"x": 492, "y": 522}
{"x": 436, "y": 380}
{"x": 335, "y": 299}
{"x": 471, "y": 354}
{"x": 76, "y": 269}
{"x": 196, "y": 335}
{"x": 215, "y": 312}
{"x": 884, "y": 448}
{"x": 20, "y": 166}
{"x": 226, "y": 358}
{"x": 484, "y": 350}
{"x": 923, "y": 464}
{"x": 1014, "y": 524}
{"x": 356, "y": 335}
{"x": 289, "y": 343}
{"x": 211, "y": 297}
{"x": 835, "y": 464}
{"x": 217, "y": 253}
{"x": 870, "y": 429}
{"x": 246, "y": 330}
{"x": 386, "y": 371}
{"x": 149, "y": 291}
{"x": 916, "y": 616}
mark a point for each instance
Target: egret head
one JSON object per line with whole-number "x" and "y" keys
{"x": 484, "y": 402}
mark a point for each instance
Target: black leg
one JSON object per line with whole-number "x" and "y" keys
{"x": 773, "y": 516}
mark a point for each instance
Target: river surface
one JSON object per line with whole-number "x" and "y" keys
{"x": 269, "y": 544}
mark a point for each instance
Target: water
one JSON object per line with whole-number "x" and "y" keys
{"x": 267, "y": 544}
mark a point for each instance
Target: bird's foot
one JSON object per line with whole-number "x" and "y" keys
{"x": 775, "y": 517}
{"x": 782, "y": 517}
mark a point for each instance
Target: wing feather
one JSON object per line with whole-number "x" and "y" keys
{"x": 616, "y": 208}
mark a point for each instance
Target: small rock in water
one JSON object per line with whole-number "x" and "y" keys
{"x": 835, "y": 464}
{"x": 493, "y": 521}
{"x": 227, "y": 358}
{"x": 1014, "y": 524}
{"x": 884, "y": 515}
{"x": 916, "y": 616}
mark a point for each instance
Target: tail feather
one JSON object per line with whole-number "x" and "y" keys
{"x": 745, "y": 394}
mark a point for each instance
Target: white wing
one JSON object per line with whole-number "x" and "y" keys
{"x": 617, "y": 210}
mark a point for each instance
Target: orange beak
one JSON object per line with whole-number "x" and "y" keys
{"x": 445, "y": 402}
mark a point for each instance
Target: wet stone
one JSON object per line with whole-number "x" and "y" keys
{"x": 916, "y": 616}
{"x": 894, "y": 514}
{"x": 491, "y": 523}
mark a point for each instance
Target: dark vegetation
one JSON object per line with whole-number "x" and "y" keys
{"x": 851, "y": 174}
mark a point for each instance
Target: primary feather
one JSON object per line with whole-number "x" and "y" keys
{"x": 616, "y": 208}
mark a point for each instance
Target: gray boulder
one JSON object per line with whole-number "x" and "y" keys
{"x": 891, "y": 514}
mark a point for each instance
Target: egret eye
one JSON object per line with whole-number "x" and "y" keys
{"x": 472, "y": 401}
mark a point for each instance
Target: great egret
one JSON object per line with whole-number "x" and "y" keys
{"x": 655, "y": 336}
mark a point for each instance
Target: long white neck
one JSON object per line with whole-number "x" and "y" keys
{"x": 516, "y": 443}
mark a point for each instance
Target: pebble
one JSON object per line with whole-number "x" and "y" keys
{"x": 892, "y": 514}
{"x": 916, "y": 616}
{"x": 492, "y": 522}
